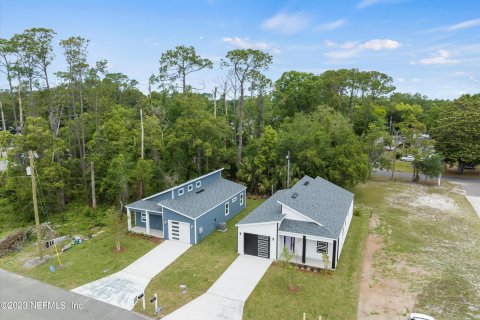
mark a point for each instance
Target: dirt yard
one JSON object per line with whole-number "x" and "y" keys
{"x": 422, "y": 253}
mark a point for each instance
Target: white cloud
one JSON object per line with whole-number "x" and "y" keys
{"x": 246, "y": 43}
{"x": 329, "y": 43}
{"x": 380, "y": 44}
{"x": 464, "y": 25}
{"x": 331, "y": 26}
{"x": 287, "y": 23}
{"x": 353, "y": 48}
{"x": 367, "y": 3}
{"x": 441, "y": 57}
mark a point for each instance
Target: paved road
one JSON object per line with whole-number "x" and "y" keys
{"x": 470, "y": 185}
{"x": 119, "y": 289}
{"x": 226, "y": 297}
{"x": 34, "y": 297}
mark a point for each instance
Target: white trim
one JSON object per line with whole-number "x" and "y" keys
{"x": 227, "y": 208}
{"x": 181, "y": 191}
{"x": 195, "y": 227}
{"x": 309, "y": 219}
{"x": 198, "y": 184}
{"x": 142, "y": 209}
{"x": 234, "y": 199}
{"x": 190, "y": 187}
{"x": 259, "y": 223}
{"x": 143, "y": 216}
{"x": 218, "y": 204}
{"x": 241, "y": 199}
{"x": 180, "y": 185}
{"x": 173, "y": 194}
{"x": 308, "y": 237}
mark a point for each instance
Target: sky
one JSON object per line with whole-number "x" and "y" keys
{"x": 426, "y": 46}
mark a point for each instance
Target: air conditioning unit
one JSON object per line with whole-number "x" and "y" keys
{"x": 222, "y": 226}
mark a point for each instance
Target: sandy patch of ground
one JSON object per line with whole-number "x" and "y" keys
{"x": 382, "y": 298}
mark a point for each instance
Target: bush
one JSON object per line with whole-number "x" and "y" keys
{"x": 357, "y": 212}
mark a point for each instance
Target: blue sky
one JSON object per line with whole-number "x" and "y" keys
{"x": 431, "y": 47}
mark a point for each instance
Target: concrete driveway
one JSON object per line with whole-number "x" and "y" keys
{"x": 41, "y": 301}
{"x": 226, "y": 297}
{"x": 119, "y": 289}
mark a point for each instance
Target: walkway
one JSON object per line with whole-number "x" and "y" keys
{"x": 226, "y": 297}
{"x": 119, "y": 289}
{"x": 45, "y": 302}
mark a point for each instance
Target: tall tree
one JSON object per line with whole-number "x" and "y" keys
{"x": 177, "y": 64}
{"x": 7, "y": 67}
{"x": 244, "y": 63}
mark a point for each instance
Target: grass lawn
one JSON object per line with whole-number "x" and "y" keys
{"x": 89, "y": 261}
{"x": 333, "y": 296}
{"x": 198, "y": 268}
{"x": 430, "y": 239}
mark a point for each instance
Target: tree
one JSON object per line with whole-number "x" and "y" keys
{"x": 430, "y": 166}
{"x": 7, "y": 51}
{"x": 290, "y": 270}
{"x": 457, "y": 131}
{"x": 244, "y": 63}
{"x": 115, "y": 184}
{"x": 326, "y": 260}
{"x": 114, "y": 222}
{"x": 179, "y": 63}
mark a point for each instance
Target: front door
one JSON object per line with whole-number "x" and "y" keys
{"x": 289, "y": 242}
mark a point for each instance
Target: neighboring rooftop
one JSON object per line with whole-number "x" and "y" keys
{"x": 193, "y": 204}
{"x": 269, "y": 211}
{"x": 321, "y": 201}
{"x": 144, "y": 205}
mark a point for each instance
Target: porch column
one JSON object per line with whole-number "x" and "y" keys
{"x": 147, "y": 222}
{"x": 129, "y": 219}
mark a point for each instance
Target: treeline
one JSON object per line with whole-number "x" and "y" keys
{"x": 334, "y": 124}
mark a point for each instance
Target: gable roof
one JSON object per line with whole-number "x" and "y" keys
{"x": 194, "y": 204}
{"x": 321, "y": 201}
{"x": 304, "y": 227}
{"x": 269, "y": 211}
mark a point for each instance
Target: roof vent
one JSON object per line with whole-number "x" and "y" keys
{"x": 306, "y": 183}
{"x": 200, "y": 191}
{"x": 294, "y": 195}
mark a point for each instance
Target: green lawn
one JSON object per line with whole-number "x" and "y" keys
{"x": 198, "y": 268}
{"x": 89, "y": 261}
{"x": 333, "y": 296}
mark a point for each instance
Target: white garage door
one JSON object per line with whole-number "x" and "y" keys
{"x": 179, "y": 231}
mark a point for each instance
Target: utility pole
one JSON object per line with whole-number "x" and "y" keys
{"x": 288, "y": 169}
{"x": 3, "y": 117}
{"x": 143, "y": 133}
{"x": 92, "y": 172}
{"x": 35, "y": 206}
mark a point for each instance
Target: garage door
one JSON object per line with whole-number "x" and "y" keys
{"x": 256, "y": 245}
{"x": 179, "y": 231}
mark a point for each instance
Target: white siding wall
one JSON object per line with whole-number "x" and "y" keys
{"x": 311, "y": 253}
{"x": 269, "y": 230}
{"x": 292, "y": 215}
{"x": 346, "y": 226}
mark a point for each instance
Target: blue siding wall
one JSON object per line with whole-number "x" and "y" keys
{"x": 170, "y": 215}
{"x": 156, "y": 221}
{"x": 138, "y": 219}
{"x": 210, "y": 220}
{"x": 205, "y": 181}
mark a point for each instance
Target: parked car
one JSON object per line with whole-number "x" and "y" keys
{"x": 389, "y": 148}
{"x": 419, "y": 316}
{"x": 408, "y": 158}
{"x": 469, "y": 167}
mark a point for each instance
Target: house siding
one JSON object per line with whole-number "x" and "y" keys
{"x": 156, "y": 221}
{"x": 346, "y": 226}
{"x": 312, "y": 254}
{"x": 138, "y": 219}
{"x": 171, "y": 215}
{"x": 266, "y": 229}
{"x": 209, "y": 221}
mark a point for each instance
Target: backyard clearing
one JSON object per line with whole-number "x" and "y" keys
{"x": 422, "y": 252}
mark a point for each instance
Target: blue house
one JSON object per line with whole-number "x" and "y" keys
{"x": 190, "y": 211}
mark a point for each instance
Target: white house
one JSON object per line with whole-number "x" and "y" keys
{"x": 309, "y": 219}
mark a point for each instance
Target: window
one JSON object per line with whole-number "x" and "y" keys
{"x": 241, "y": 198}
{"x": 190, "y": 187}
{"x": 180, "y": 191}
{"x": 234, "y": 199}
{"x": 227, "y": 208}
{"x": 322, "y": 247}
{"x": 144, "y": 217}
{"x": 198, "y": 183}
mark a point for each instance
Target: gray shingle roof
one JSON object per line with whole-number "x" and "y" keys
{"x": 321, "y": 201}
{"x": 268, "y": 211}
{"x": 307, "y": 228}
{"x": 144, "y": 205}
{"x": 194, "y": 204}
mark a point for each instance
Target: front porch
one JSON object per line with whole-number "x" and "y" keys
{"x": 153, "y": 232}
